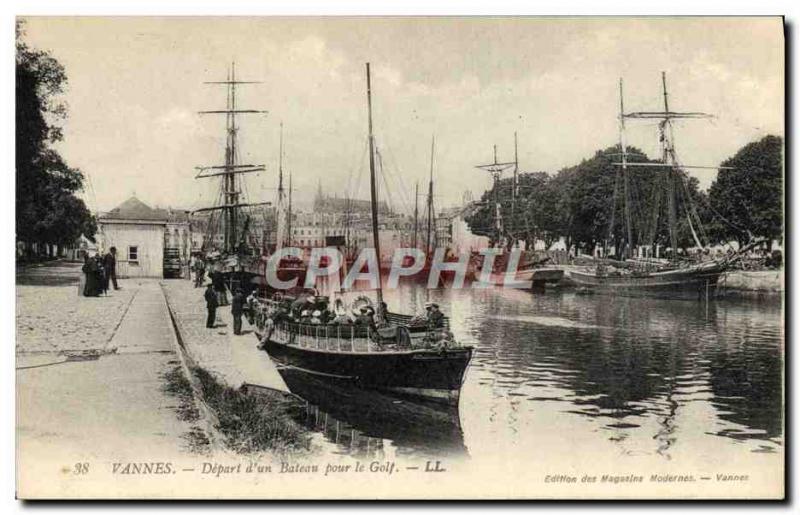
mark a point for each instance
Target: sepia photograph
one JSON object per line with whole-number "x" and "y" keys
{"x": 400, "y": 257}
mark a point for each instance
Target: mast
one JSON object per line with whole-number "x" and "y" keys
{"x": 289, "y": 212}
{"x": 229, "y": 171}
{"x": 374, "y": 196}
{"x": 280, "y": 233}
{"x": 514, "y": 187}
{"x": 430, "y": 203}
{"x": 416, "y": 212}
{"x": 668, "y": 160}
{"x": 495, "y": 170}
{"x": 625, "y": 182}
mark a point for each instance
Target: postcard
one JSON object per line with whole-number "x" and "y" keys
{"x": 368, "y": 258}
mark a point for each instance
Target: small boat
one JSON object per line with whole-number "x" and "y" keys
{"x": 696, "y": 281}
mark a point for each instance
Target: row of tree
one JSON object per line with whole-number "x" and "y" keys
{"x": 584, "y": 204}
{"x": 48, "y": 212}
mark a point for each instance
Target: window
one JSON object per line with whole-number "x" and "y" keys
{"x": 133, "y": 255}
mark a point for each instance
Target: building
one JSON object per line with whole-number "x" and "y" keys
{"x": 141, "y": 234}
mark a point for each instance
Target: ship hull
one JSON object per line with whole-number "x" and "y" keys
{"x": 424, "y": 374}
{"x": 693, "y": 283}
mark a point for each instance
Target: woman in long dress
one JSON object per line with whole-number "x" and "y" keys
{"x": 92, "y": 284}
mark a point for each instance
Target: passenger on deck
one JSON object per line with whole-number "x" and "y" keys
{"x": 342, "y": 319}
{"x": 366, "y": 318}
{"x": 316, "y": 318}
{"x": 305, "y": 317}
{"x": 435, "y": 317}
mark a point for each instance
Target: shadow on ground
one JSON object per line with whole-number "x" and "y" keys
{"x": 50, "y": 274}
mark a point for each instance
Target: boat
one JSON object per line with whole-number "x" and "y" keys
{"x": 237, "y": 256}
{"x": 385, "y": 358}
{"x": 529, "y": 270}
{"x": 671, "y": 277}
{"x": 347, "y": 414}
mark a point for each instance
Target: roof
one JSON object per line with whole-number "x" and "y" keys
{"x": 134, "y": 209}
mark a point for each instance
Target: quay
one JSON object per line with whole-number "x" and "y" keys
{"x": 91, "y": 379}
{"x": 93, "y": 373}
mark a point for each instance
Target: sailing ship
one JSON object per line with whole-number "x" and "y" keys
{"x": 666, "y": 277}
{"x": 289, "y": 267}
{"x": 383, "y": 358}
{"x": 228, "y": 245}
{"x": 529, "y": 269}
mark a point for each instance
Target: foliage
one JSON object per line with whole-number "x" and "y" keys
{"x": 748, "y": 198}
{"x": 47, "y": 209}
{"x": 584, "y": 204}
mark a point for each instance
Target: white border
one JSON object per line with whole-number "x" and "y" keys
{"x": 320, "y": 7}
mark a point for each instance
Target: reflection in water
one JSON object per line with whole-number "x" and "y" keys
{"x": 358, "y": 421}
{"x": 647, "y": 376}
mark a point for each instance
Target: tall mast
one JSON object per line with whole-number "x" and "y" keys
{"x": 625, "y": 186}
{"x": 289, "y": 212}
{"x": 430, "y": 203}
{"x": 416, "y": 212}
{"x": 495, "y": 170}
{"x": 229, "y": 171}
{"x": 374, "y": 196}
{"x": 280, "y": 167}
{"x": 668, "y": 159}
{"x": 230, "y": 179}
{"x": 280, "y": 232}
{"x": 514, "y": 187}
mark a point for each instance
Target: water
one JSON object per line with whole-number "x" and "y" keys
{"x": 560, "y": 376}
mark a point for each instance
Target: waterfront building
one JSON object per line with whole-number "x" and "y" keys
{"x": 141, "y": 235}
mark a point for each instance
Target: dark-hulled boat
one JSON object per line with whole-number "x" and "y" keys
{"x": 340, "y": 410}
{"x": 388, "y": 358}
{"x": 349, "y": 353}
{"x": 698, "y": 281}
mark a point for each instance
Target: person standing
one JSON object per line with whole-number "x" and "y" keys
{"x": 102, "y": 279}
{"x": 94, "y": 283}
{"x": 218, "y": 280}
{"x": 110, "y": 263}
{"x": 237, "y": 310}
{"x": 211, "y": 305}
{"x": 83, "y": 288}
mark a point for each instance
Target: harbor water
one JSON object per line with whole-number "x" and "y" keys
{"x": 568, "y": 375}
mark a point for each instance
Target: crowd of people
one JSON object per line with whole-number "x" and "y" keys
{"x": 99, "y": 271}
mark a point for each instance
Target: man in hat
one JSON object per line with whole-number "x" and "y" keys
{"x": 110, "y": 265}
{"x": 237, "y": 310}
{"x": 211, "y": 304}
{"x": 365, "y": 317}
{"x": 435, "y": 317}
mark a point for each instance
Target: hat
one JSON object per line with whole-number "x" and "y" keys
{"x": 433, "y": 305}
{"x": 364, "y": 309}
{"x": 317, "y": 313}
{"x": 304, "y": 313}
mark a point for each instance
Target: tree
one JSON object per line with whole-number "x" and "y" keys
{"x": 47, "y": 210}
{"x": 747, "y": 200}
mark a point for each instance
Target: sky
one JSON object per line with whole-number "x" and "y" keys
{"x": 136, "y": 86}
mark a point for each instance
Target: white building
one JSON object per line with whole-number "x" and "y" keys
{"x": 140, "y": 234}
